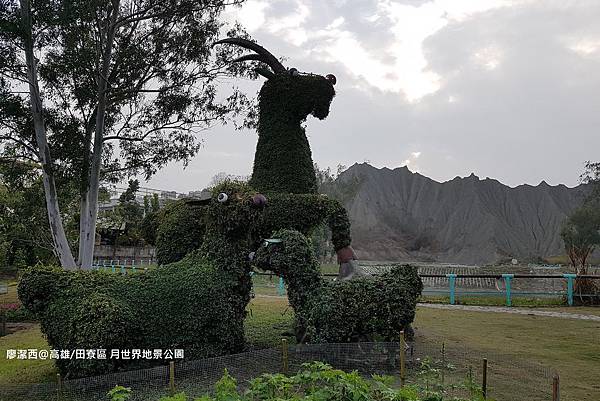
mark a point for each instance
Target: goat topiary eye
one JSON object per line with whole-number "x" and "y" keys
{"x": 222, "y": 198}
{"x": 331, "y": 78}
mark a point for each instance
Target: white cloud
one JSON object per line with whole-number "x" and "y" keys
{"x": 506, "y": 92}
{"x": 411, "y": 162}
{"x": 400, "y": 66}
{"x": 583, "y": 46}
{"x": 252, "y": 14}
{"x": 339, "y": 21}
{"x": 488, "y": 57}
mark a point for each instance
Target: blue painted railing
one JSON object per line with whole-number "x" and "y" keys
{"x": 509, "y": 293}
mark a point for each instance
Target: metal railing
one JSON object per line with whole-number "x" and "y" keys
{"x": 505, "y": 286}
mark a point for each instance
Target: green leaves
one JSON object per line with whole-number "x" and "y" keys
{"x": 180, "y": 230}
{"x": 581, "y": 233}
{"x": 163, "y": 308}
{"x": 361, "y": 309}
{"x": 283, "y": 161}
{"x": 119, "y": 393}
{"x": 317, "y": 381}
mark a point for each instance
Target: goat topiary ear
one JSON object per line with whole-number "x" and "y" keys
{"x": 264, "y": 72}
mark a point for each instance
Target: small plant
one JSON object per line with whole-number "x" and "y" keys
{"x": 317, "y": 381}
{"x": 176, "y": 397}
{"x": 119, "y": 393}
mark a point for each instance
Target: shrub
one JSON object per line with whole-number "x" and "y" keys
{"x": 283, "y": 160}
{"x": 305, "y": 213}
{"x": 365, "y": 308}
{"x": 181, "y": 228}
{"x": 16, "y": 313}
{"x": 188, "y": 305}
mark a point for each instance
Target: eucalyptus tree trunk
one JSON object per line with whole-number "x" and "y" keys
{"x": 88, "y": 222}
{"x": 61, "y": 244}
{"x": 83, "y": 191}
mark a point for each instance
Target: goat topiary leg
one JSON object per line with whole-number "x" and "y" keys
{"x": 339, "y": 224}
{"x": 292, "y": 258}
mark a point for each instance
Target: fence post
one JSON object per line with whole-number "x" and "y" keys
{"x": 58, "y": 386}
{"x": 3, "y": 330}
{"x": 570, "y": 278}
{"x": 556, "y": 388}
{"x": 452, "y": 285}
{"x": 402, "y": 359}
{"x": 507, "y": 279}
{"x": 443, "y": 360}
{"x": 172, "y": 377}
{"x": 284, "y": 354}
{"x": 484, "y": 379}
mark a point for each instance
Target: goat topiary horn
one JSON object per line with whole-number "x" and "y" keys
{"x": 262, "y": 54}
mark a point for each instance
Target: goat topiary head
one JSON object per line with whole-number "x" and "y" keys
{"x": 232, "y": 210}
{"x": 288, "y": 92}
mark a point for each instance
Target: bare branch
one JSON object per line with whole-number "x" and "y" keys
{"x": 20, "y": 142}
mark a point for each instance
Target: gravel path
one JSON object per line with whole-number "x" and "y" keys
{"x": 518, "y": 311}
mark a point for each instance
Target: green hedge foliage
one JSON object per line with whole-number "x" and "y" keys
{"x": 185, "y": 305}
{"x": 283, "y": 160}
{"x": 361, "y": 309}
{"x": 197, "y": 304}
{"x": 180, "y": 230}
{"x": 183, "y": 223}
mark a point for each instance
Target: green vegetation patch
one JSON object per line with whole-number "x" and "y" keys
{"x": 188, "y": 305}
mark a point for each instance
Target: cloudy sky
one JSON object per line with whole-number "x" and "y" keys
{"x": 506, "y": 89}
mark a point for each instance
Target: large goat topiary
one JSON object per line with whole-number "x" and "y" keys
{"x": 283, "y": 164}
{"x": 283, "y": 160}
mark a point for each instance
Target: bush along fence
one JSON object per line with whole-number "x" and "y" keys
{"x": 436, "y": 370}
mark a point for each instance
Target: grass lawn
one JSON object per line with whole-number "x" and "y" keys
{"x": 25, "y": 371}
{"x": 269, "y": 320}
{"x": 583, "y": 310}
{"x": 10, "y": 297}
{"x": 499, "y": 300}
{"x": 570, "y": 346}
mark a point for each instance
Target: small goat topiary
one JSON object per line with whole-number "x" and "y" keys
{"x": 362, "y": 309}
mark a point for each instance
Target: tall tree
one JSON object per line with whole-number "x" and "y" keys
{"x": 115, "y": 88}
{"x": 24, "y": 233}
{"x": 591, "y": 176}
{"x": 581, "y": 234}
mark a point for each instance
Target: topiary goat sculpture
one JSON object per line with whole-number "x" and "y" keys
{"x": 283, "y": 160}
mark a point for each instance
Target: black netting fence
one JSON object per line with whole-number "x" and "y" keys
{"x": 428, "y": 366}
